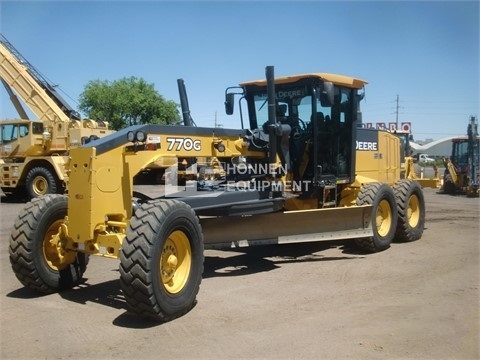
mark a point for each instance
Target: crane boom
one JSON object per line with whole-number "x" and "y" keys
{"x": 34, "y": 151}
{"x": 32, "y": 87}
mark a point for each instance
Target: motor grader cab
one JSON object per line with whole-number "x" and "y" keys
{"x": 462, "y": 169}
{"x": 290, "y": 179}
{"x": 34, "y": 152}
{"x": 327, "y": 145}
{"x": 310, "y": 109}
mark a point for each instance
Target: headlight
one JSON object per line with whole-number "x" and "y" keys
{"x": 220, "y": 147}
{"x": 139, "y": 136}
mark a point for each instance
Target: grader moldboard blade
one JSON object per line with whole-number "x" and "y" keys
{"x": 288, "y": 227}
{"x": 430, "y": 183}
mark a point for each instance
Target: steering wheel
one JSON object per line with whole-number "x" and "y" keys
{"x": 303, "y": 125}
{"x": 299, "y": 129}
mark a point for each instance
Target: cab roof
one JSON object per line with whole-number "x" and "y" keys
{"x": 340, "y": 80}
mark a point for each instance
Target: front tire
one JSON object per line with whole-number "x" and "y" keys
{"x": 411, "y": 210}
{"x": 40, "y": 181}
{"x": 384, "y": 216}
{"x": 39, "y": 264}
{"x": 161, "y": 260}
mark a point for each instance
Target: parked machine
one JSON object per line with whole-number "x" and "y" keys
{"x": 34, "y": 152}
{"x": 462, "y": 169}
{"x": 425, "y": 159}
{"x": 292, "y": 176}
{"x": 411, "y": 169}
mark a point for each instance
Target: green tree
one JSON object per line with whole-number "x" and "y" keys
{"x": 126, "y": 102}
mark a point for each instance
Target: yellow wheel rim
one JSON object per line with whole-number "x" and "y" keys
{"x": 383, "y": 218}
{"x": 53, "y": 253}
{"x": 175, "y": 262}
{"x": 413, "y": 211}
{"x": 40, "y": 185}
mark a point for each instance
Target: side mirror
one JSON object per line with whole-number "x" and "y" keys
{"x": 229, "y": 103}
{"x": 327, "y": 94}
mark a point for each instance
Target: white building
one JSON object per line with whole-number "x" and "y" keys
{"x": 441, "y": 148}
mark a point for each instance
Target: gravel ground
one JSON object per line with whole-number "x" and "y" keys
{"x": 326, "y": 300}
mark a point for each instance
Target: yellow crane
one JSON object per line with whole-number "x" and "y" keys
{"x": 34, "y": 151}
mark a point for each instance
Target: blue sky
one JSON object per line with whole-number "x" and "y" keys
{"x": 427, "y": 53}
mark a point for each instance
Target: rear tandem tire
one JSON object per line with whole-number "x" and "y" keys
{"x": 384, "y": 216}
{"x": 411, "y": 210}
{"x": 161, "y": 260}
{"x": 36, "y": 262}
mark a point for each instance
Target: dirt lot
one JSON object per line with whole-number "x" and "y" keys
{"x": 415, "y": 300}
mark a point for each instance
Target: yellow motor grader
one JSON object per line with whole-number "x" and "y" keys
{"x": 292, "y": 176}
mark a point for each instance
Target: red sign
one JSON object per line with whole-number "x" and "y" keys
{"x": 407, "y": 126}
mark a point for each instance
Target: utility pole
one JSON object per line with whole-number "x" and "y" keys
{"x": 217, "y": 125}
{"x": 396, "y": 113}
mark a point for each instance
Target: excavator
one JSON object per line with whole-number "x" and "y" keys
{"x": 291, "y": 176}
{"x": 34, "y": 151}
{"x": 462, "y": 169}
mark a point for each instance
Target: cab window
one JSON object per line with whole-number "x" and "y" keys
{"x": 9, "y": 132}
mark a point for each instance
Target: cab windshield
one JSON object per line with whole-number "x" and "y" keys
{"x": 300, "y": 104}
{"x": 319, "y": 128}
